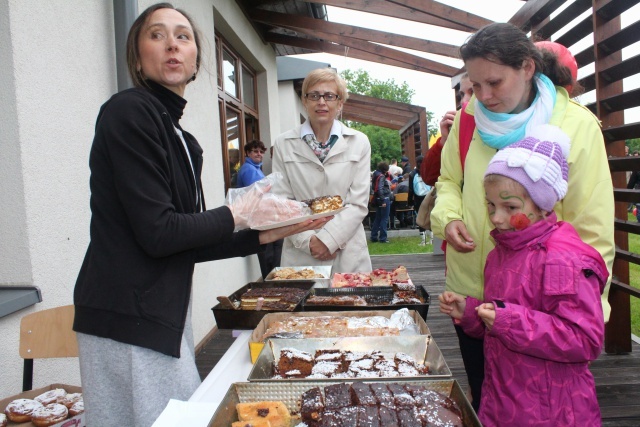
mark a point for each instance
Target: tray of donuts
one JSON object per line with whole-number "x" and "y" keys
{"x": 56, "y": 405}
{"x": 348, "y": 403}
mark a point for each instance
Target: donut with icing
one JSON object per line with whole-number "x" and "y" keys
{"x": 3, "y": 420}
{"x": 19, "y": 410}
{"x": 51, "y": 396}
{"x": 49, "y": 415}
{"x": 76, "y": 408}
{"x": 70, "y": 399}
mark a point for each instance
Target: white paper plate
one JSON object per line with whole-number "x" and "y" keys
{"x": 298, "y": 220}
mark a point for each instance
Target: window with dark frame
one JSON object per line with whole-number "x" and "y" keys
{"x": 238, "y": 106}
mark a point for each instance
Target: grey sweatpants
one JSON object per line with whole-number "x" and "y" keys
{"x": 126, "y": 385}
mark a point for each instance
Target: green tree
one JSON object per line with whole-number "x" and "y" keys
{"x": 385, "y": 143}
{"x": 361, "y": 83}
{"x": 633, "y": 144}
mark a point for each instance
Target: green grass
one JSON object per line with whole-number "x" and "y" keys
{"x": 399, "y": 245}
{"x": 634, "y": 279}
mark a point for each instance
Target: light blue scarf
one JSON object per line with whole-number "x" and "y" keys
{"x": 499, "y": 130}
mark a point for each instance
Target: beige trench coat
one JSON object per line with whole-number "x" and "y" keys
{"x": 345, "y": 172}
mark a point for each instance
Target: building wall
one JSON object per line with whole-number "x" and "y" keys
{"x": 291, "y": 108}
{"x": 58, "y": 68}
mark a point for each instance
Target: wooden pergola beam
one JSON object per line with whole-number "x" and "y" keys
{"x": 322, "y": 46}
{"x": 311, "y": 25}
{"x": 456, "y": 19}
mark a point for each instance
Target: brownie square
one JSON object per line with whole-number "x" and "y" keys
{"x": 361, "y": 394}
{"x": 408, "y": 417}
{"x": 439, "y": 416}
{"x": 401, "y": 397}
{"x": 312, "y": 404}
{"x": 382, "y": 394}
{"x": 388, "y": 417}
{"x": 413, "y": 389}
{"x": 368, "y": 416}
{"x": 329, "y": 419}
{"x": 428, "y": 398}
{"x": 337, "y": 396}
{"x": 348, "y": 416}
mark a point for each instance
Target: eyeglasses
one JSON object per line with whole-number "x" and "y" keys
{"x": 327, "y": 96}
{"x": 258, "y": 151}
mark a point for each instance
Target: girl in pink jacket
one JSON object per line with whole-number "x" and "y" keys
{"x": 541, "y": 318}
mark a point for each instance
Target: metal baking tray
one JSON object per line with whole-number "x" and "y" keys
{"x": 227, "y": 318}
{"x": 289, "y": 393}
{"x": 377, "y": 297}
{"x": 422, "y": 348}
{"x": 325, "y": 270}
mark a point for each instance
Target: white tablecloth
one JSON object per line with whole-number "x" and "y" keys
{"x": 234, "y": 366}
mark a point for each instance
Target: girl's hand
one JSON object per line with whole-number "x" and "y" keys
{"x": 452, "y": 304}
{"x": 487, "y": 312}
{"x": 458, "y": 237}
{"x": 272, "y": 235}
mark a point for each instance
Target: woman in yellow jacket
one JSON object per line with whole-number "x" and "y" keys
{"x": 516, "y": 88}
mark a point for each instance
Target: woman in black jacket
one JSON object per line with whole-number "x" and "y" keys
{"x": 149, "y": 226}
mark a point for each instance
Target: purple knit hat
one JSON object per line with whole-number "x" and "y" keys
{"x": 538, "y": 163}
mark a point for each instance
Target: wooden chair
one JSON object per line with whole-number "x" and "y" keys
{"x": 46, "y": 334}
{"x": 401, "y": 201}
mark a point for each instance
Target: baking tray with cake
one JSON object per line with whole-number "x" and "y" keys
{"x": 350, "y": 358}
{"x": 371, "y": 298}
{"x": 245, "y": 308}
{"x": 319, "y": 274}
{"x": 292, "y": 404}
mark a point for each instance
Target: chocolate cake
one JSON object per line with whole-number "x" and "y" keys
{"x": 333, "y": 363}
{"x": 294, "y": 363}
{"x": 312, "y": 404}
{"x": 362, "y": 395}
{"x": 382, "y": 394}
{"x": 401, "y": 397}
{"x": 408, "y": 417}
{"x": 337, "y": 396}
{"x": 388, "y": 417}
{"x": 368, "y": 416}
{"x": 271, "y": 298}
{"x": 348, "y": 416}
{"x": 378, "y": 405}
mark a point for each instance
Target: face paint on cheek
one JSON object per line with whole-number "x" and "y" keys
{"x": 505, "y": 195}
{"x": 519, "y": 221}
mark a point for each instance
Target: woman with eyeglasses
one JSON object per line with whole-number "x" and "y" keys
{"x": 251, "y": 170}
{"x": 323, "y": 157}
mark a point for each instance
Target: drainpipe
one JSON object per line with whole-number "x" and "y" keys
{"x": 124, "y": 13}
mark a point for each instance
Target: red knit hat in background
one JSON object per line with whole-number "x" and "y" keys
{"x": 564, "y": 58}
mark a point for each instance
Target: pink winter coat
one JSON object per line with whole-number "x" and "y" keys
{"x": 545, "y": 284}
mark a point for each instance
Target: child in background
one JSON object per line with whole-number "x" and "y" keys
{"x": 541, "y": 318}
